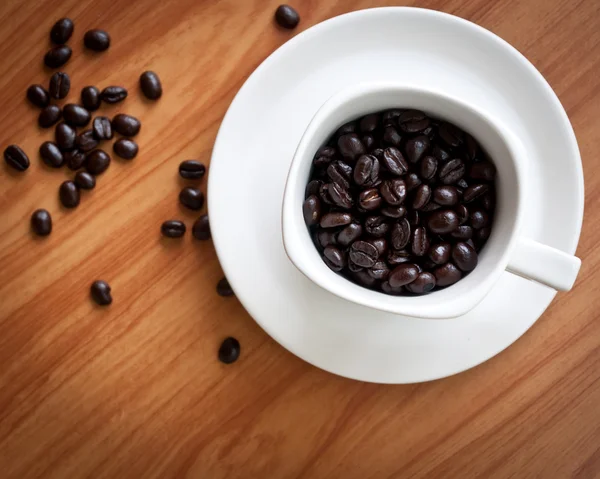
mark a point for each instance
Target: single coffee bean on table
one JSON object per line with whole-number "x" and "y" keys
{"x": 60, "y": 84}
{"x": 150, "y": 85}
{"x": 38, "y": 96}
{"x": 191, "y": 198}
{"x": 57, "y": 56}
{"x": 102, "y": 128}
{"x": 90, "y": 98}
{"x": 86, "y": 141}
{"x": 100, "y": 293}
{"x": 49, "y": 116}
{"x": 64, "y": 135}
{"x": 41, "y": 222}
{"x": 287, "y": 17}
{"x": 74, "y": 159}
{"x": 76, "y": 115}
{"x": 97, "y": 40}
{"x": 16, "y": 158}
{"x": 400, "y": 202}
{"x": 85, "y": 180}
{"x": 229, "y": 351}
{"x": 126, "y": 125}
{"x": 201, "y": 228}
{"x": 113, "y": 94}
{"x": 97, "y": 162}
{"x": 223, "y": 288}
{"x": 62, "y": 31}
{"x": 125, "y": 148}
{"x": 68, "y": 194}
{"x": 173, "y": 229}
{"x": 51, "y": 154}
{"x": 191, "y": 169}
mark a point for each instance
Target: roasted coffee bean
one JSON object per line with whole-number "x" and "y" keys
{"x": 191, "y": 198}
{"x": 387, "y": 289}
{"x": 462, "y": 232}
{"x": 451, "y": 172}
{"x": 369, "y": 123}
{"x": 16, "y": 158}
{"x": 421, "y": 197}
{"x": 452, "y": 135}
{"x": 368, "y": 141}
{"x": 413, "y": 121}
{"x": 400, "y": 234}
{"x": 62, "y": 31}
{"x": 311, "y": 209}
{"x": 420, "y": 241}
{"x": 440, "y": 153}
{"x": 363, "y": 254}
{"x": 403, "y": 274}
{"x": 287, "y": 17}
{"x": 126, "y": 125}
{"x": 324, "y": 156}
{"x": 229, "y": 351}
{"x": 366, "y": 170}
{"x": 483, "y": 234}
{"x": 349, "y": 234}
{"x": 100, "y": 292}
{"x": 440, "y": 253}
{"x": 64, "y": 136}
{"x": 379, "y": 271}
{"x": 482, "y": 171}
{"x": 390, "y": 117}
{"x": 173, "y": 229}
{"x": 393, "y": 211}
{"x": 363, "y": 278}
{"x": 60, "y": 84}
{"x": 76, "y": 115}
{"x": 412, "y": 181}
{"x": 464, "y": 256}
{"x": 350, "y": 127}
{"x": 369, "y": 199}
{"x": 312, "y": 188}
{"x": 86, "y": 141}
{"x": 74, "y": 159}
{"x": 340, "y": 172}
{"x": 340, "y": 196}
{"x": 97, "y": 40}
{"x": 474, "y": 192}
{"x": 90, "y": 98}
{"x": 326, "y": 238}
{"x": 41, "y": 222}
{"x": 49, "y": 116}
{"x": 391, "y": 136}
{"x": 393, "y": 191}
{"x": 479, "y": 218}
{"x": 68, "y": 194}
{"x": 416, "y": 147}
{"x": 350, "y": 146}
{"x": 102, "y": 128}
{"x": 377, "y": 226}
{"x": 445, "y": 195}
{"x": 334, "y": 258}
{"x": 125, "y": 148}
{"x": 150, "y": 85}
{"x": 447, "y": 275}
{"x": 201, "y": 228}
{"x": 414, "y": 218}
{"x": 51, "y": 154}
{"x": 424, "y": 283}
{"x": 333, "y": 220}
{"x": 431, "y": 206}
{"x": 394, "y": 161}
{"x": 57, "y": 56}
{"x": 194, "y": 170}
{"x": 429, "y": 166}
{"x": 97, "y": 162}
{"x": 38, "y": 96}
{"x": 462, "y": 213}
{"x": 224, "y": 289}
{"x": 324, "y": 193}
{"x": 84, "y": 180}
{"x": 395, "y": 257}
{"x": 113, "y": 94}
{"x": 381, "y": 245}
{"x": 442, "y": 221}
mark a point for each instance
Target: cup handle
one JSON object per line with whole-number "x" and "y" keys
{"x": 544, "y": 264}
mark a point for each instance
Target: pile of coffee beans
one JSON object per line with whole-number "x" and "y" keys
{"x": 400, "y": 202}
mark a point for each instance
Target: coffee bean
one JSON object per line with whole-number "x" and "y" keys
{"x": 312, "y": 188}
{"x": 379, "y": 271}
{"x": 462, "y": 232}
{"x": 38, "y": 96}
{"x": 413, "y": 217}
{"x": 403, "y": 274}
{"x": 483, "y": 234}
{"x": 333, "y": 220}
{"x": 97, "y": 40}
{"x": 340, "y": 172}
{"x": 452, "y": 135}
{"x": 223, "y": 288}
{"x": 350, "y": 146}
{"x": 416, "y": 147}
{"x": 76, "y": 115}
{"x": 311, "y": 209}
{"x": 431, "y": 206}
{"x": 474, "y": 192}
{"x": 173, "y": 229}
{"x": 350, "y": 127}
{"x": 391, "y": 136}
{"x": 126, "y": 125}
{"x": 41, "y": 222}
{"x": 393, "y": 191}
{"x": 387, "y": 289}
{"x": 464, "y": 256}
{"x": 368, "y": 141}
{"x": 326, "y": 238}
{"x": 102, "y": 128}
{"x": 90, "y": 98}
{"x": 60, "y": 84}
{"x": 84, "y": 180}
{"x": 369, "y": 199}
{"x": 369, "y": 123}
{"x": 57, "y": 56}
{"x": 440, "y": 153}
{"x": 125, "y": 148}
{"x": 51, "y": 154}
{"x": 191, "y": 198}
{"x": 229, "y": 352}
{"x": 447, "y": 275}
{"x": 97, "y": 162}
{"x": 68, "y": 194}
{"x": 340, "y": 196}
{"x": 377, "y": 226}
{"x": 194, "y": 170}
{"x": 429, "y": 166}
{"x": 412, "y": 181}
{"x": 86, "y": 141}
{"x": 100, "y": 292}
{"x": 421, "y": 197}
{"x": 482, "y": 171}
{"x": 420, "y": 241}
{"x": 443, "y": 221}
{"x": 394, "y": 161}
{"x": 349, "y": 234}
{"x": 381, "y": 245}
{"x": 462, "y": 213}
{"x": 424, "y": 283}
{"x": 363, "y": 254}
{"x": 287, "y": 17}
{"x": 399, "y": 257}
{"x": 113, "y": 94}
{"x": 445, "y": 195}
{"x": 49, "y": 116}
{"x": 393, "y": 211}
{"x": 451, "y": 172}
{"x": 440, "y": 253}
{"x": 16, "y": 158}
{"x": 150, "y": 85}
{"x": 400, "y": 235}
{"x": 413, "y": 121}
{"x": 334, "y": 258}
{"x": 64, "y": 136}
{"x": 201, "y": 228}
{"x": 366, "y": 170}
{"x": 62, "y": 31}
{"x": 74, "y": 159}
{"x": 479, "y": 218}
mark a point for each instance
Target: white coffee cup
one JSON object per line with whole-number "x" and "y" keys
{"x": 506, "y": 249}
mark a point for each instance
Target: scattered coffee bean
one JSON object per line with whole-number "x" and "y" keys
{"x": 60, "y": 84}
{"x": 51, "y": 154}
{"x": 97, "y": 162}
{"x": 86, "y": 141}
{"x": 41, "y": 222}
{"x": 97, "y": 40}
{"x": 84, "y": 180}
{"x": 102, "y": 128}
{"x": 69, "y": 194}
{"x": 62, "y": 31}
{"x": 223, "y": 288}
{"x": 16, "y": 158}
{"x": 173, "y": 229}
{"x": 74, "y": 159}
{"x": 125, "y": 148}
{"x": 90, "y": 98}
{"x": 64, "y": 136}
{"x": 287, "y": 17}
{"x": 100, "y": 292}
{"x": 192, "y": 169}
{"x": 201, "y": 228}
{"x": 57, "y": 56}
{"x": 150, "y": 85}
{"x": 49, "y": 116}
{"x": 113, "y": 94}
{"x": 76, "y": 115}
{"x": 38, "y": 96}
{"x": 126, "y": 125}
{"x": 191, "y": 198}
{"x": 229, "y": 351}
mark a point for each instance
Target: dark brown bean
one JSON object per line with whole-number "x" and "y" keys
{"x": 452, "y": 135}
{"x": 100, "y": 293}
{"x": 229, "y": 351}
{"x": 393, "y": 191}
{"x": 311, "y": 209}
{"x": 400, "y": 235}
{"x": 76, "y": 115}
{"x": 366, "y": 170}
{"x": 391, "y": 136}
{"x": 62, "y": 31}
{"x": 16, "y": 158}
{"x": 429, "y": 166}
{"x": 363, "y": 254}
{"x": 445, "y": 195}
{"x": 377, "y": 226}
{"x": 403, "y": 274}
{"x": 57, "y": 56}
{"x": 97, "y": 162}
{"x": 447, "y": 275}
{"x": 173, "y": 229}
{"x": 49, "y": 116}
{"x": 340, "y": 172}
{"x": 150, "y": 85}
{"x": 191, "y": 198}
{"x": 64, "y": 136}
{"x": 126, "y": 125}
{"x": 424, "y": 283}
{"x": 113, "y": 94}
{"x": 51, "y": 154}
{"x": 412, "y": 181}
{"x": 474, "y": 192}
{"x": 464, "y": 256}
{"x": 334, "y": 258}
{"x": 90, "y": 98}
{"x": 350, "y": 146}
{"x": 74, "y": 159}
{"x": 287, "y": 17}
{"x": 201, "y": 228}
{"x": 416, "y": 147}
{"x": 125, "y": 148}
{"x": 41, "y": 222}
{"x": 86, "y": 141}
{"x": 462, "y": 232}
{"x": 224, "y": 289}
{"x": 440, "y": 253}
{"x": 102, "y": 128}
{"x": 399, "y": 257}
{"x": 194, "y": 170}
{"x": 379, "y": 270}
{"x": 68, "y": 194}
{"x": 413, "y": 121}
{"x": 479, "y": 218}
{"x": 421, "y": 197}
{"x": 333, "y": 220}
{"x": 326, "y": 238}
{"x": 84, "y": 180}
{"x": 38, "y": 96}
{"x": 349, "y": 234}
{"x": 394, "y": 161}
{"x": 369, "y": 199}
{"x": 393, "y": 211}
{"x": 60, "y": 84}
{"x": 369, "y": 123}
{"x": 442, "y": 221}
{"x": 97, "y": 40}
{"x": 420, "y": 241}
{"x": 340, "y": 196}
{"x": 387, "y": 289}
{"x": 452, "y": 171}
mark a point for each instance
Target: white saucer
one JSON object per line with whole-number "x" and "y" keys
{"x": 255, "y": 146}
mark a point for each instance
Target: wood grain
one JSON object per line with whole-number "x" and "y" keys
{"x": 135, "y": 390}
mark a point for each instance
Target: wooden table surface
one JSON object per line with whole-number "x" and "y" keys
{"x": 135, "y": 390}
